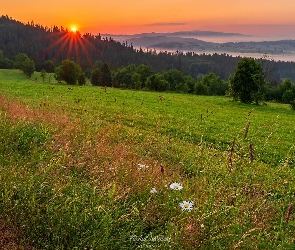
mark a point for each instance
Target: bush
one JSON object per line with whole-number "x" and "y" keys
{"x": 82, "y": 79}
{"x": 247, "y": 83}
{"x": 201, "y": 89}
{"x": 123, "y": 86}
{"x": 68, "y": 71}
{"x": 288, "y": 96}
{"x": 157, "y": 82}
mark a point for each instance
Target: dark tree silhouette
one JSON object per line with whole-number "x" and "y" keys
{"x": 248, "y": 83}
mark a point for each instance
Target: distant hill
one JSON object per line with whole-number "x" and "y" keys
{"x": 167, "y": 42}
{"x": 204, "y": 33}
{"x": 53, "y": 43}
{"x": 173, "y": 40}
{"x": 196, "y": 41}
{"x": 194, "y": 33}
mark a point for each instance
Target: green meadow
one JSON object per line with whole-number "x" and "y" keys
{"x": 78, "y": 163}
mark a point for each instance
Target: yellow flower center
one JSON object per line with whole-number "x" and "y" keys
{"x": 175, "y": 186}
{"x": 186, "y": 205}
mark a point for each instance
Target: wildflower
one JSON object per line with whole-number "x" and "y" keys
{"x": 142, "y": 166}
{"x": 176, "y": 186}
{"x": 153, "y": 191}
{"x": 187, "y": 205}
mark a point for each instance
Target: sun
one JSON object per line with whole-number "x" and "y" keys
{"x": 74, "y": 29}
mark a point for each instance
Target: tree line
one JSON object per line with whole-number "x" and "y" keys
{"x": 249, "y": 83}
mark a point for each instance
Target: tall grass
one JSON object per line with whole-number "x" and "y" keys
{"x": 70, "y": 177}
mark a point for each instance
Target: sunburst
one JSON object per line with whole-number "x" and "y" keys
{"x": 74, "y": 29}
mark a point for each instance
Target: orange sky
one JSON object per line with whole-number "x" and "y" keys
{"x": 259, "y": 17}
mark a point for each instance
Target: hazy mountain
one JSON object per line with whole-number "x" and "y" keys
{"x": 194, "y": 33}
{"x": 167, "y": 42}
{"x": 197, "y": 41}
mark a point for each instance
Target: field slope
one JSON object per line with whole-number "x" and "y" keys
{"x": 78, "y": 164}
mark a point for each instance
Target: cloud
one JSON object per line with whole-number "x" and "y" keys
{"x": 165, "y": 24}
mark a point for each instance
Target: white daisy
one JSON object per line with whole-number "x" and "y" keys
{"x": 153, "y": 191}
{"x": 142, "y": 166}
{"x": 187, "y": 205}
{"x": 176, "y": 186}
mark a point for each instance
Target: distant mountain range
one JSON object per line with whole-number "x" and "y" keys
{"x": 197, "y": 41}
{"x": 194, "y": 33}
{"x": 171, "y": 40}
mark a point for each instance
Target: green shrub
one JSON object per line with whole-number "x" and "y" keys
{"x": 288, "y": 96}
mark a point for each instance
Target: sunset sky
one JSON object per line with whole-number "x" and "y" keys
{"x": 263, "y": 17}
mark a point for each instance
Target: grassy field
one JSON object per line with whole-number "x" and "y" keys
{"x": 78, "y": 164}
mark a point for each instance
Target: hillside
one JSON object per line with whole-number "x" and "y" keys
{"x": 104, "y": 168}
{"x": 54, "y": 43}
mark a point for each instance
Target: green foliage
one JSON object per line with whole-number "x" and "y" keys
{"x": 68, "y": 71}
{"x": 288, "y": 96}
{"x": 157, "y": 82}
{"x": 142, "y": 77}
{"x": 276, "y": 93}
{"x": 211, "y": 84}
{"x": 28, "y": 67}
{"x": 96, "y": 77}
{"x": 247, "y": 83}
{"x": 190, "y": 83}
{"x": 5, "y": 63}
{"x": 88, "y": 73}
{"x": 43, "y": 74}
{"x": 292, "y": 104}
{"x": 49, "y": 66}
{"x": 58, "y": 74}
{"x": 101, "y": 75}
{"x": 144, "y": 71}
{"x": 81, "y": 79}
{"x": 98, "y": 64}
{"x": 124, "y": 76}
{"x": 106, "y": 75}
{"x": 175, "y": 78}
{"x": 136, "y": 78}
{"x": 285, "y": 85}
{"x": 20, "y": 60}
{"x": 123, "y": 86}
{"x": 24, "y": 63}
{"x": 201, "y": 89}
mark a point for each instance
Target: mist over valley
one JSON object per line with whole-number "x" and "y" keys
{"x": 278, "y": 48}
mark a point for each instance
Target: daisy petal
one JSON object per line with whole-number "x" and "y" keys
{"x": 187, "y": 205}
{"x": 176, "y": 186}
